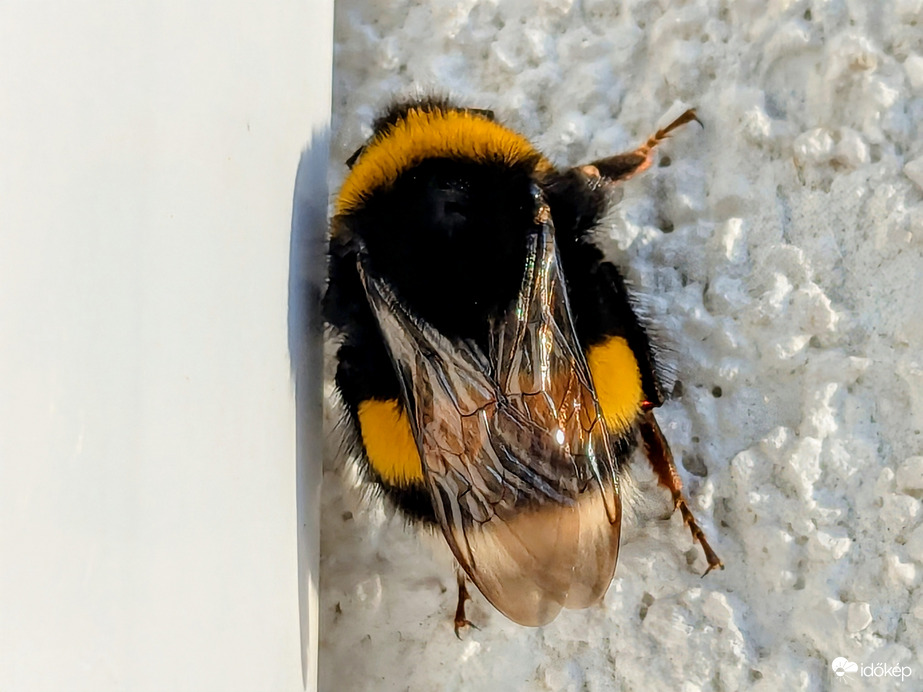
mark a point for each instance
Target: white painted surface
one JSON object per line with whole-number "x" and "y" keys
{"x": 148, "y": 536}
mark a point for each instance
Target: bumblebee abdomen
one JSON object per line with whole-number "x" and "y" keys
{"x": 439, "y": 204}
{"x": 617, "y": 379}
{"x": 392, "y": 460}
{"x": 389, "y": 443}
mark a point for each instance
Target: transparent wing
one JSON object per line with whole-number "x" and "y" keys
{"x": 516, "y": 457}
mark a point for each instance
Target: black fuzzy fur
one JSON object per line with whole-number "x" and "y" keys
{"x": 450, "y": 236}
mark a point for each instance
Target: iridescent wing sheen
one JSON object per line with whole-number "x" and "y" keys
{"x": 515, "y": 453}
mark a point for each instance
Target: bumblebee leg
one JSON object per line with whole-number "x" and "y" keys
{"x": 661, "y": 458}
{"x": 624, "y": 166}
{"x": 460, "y": 619}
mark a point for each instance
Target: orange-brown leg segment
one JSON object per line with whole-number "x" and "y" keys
{"x": 624, "y": 166}
{"x": 460, "y": 619}
{"x": 661, "y": 458}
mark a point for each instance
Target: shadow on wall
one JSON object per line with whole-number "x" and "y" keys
{"x": 306, "y": 350}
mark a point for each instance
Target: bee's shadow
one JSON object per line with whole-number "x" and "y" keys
{"x": 306, "y": 352}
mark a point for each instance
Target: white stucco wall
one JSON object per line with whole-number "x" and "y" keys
{"x": 781, "y": 252}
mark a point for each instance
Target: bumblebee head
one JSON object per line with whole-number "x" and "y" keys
{"x": 441, "y": 200}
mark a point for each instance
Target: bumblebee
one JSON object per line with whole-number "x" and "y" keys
{"x": 492, "y": 366}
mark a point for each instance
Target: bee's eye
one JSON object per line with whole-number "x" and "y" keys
{"x": 351, "y": 161}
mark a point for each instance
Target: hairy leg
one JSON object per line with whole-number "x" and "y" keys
{"x": 621, "y": 167}
{"x": 661, "y": 458}
{"x": 460, "y": 619}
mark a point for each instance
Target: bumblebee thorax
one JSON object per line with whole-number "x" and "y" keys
{"x": 449, "y": 236}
